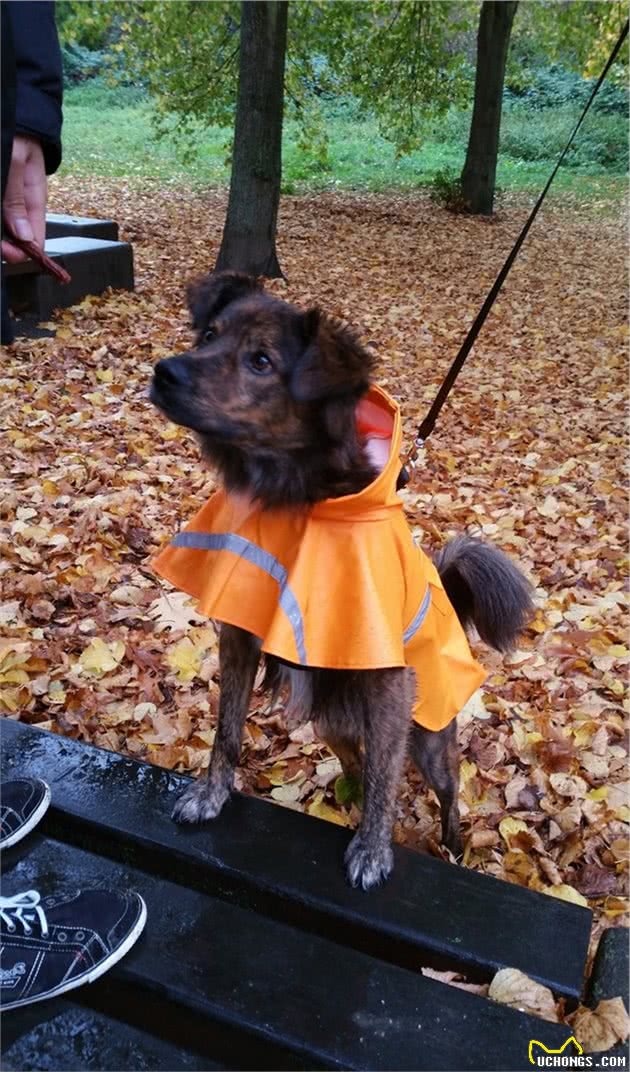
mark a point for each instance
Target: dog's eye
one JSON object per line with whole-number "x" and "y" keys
{"x": 259, "y": 363}
{"x": 209, "y": 334}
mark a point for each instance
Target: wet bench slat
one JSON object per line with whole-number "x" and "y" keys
{"x": 59, "y": 225}
{"x": 63, "y": 1034}
{"x": 94, "y": 264}
{"x": 289, "y": 866}
{"x": 290, "y": 999}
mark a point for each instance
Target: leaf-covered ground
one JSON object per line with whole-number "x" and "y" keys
{"x": 529, "y": 453}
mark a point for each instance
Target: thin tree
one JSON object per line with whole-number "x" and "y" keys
{"x": 249, "y": 235}
{"x": 478, "y": 178}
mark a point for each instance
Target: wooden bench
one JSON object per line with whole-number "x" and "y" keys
{"x": 257, "y": 954}
{"x": 94, "y": 264}
{"x": 59, "y": 225}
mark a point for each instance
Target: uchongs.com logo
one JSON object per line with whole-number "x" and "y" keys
{"x": 571, "y": 1055}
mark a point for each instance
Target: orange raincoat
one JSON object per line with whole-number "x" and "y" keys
{"x": 339, "y": 585}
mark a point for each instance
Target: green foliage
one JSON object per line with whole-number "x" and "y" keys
{"x": 446, "y": 190}
{"x": 401, "y": 60}
{"x": 578, "y": 35}
{"x": 79, "y": 63}
{"x": 556, "y": 87}
{"x": 407, "y": 63}
{"x": 98, "y": 94}
{"x": 601, "y": 143}
{"x": 359, "y": 157}
{"x": 348, "y": 790}
{"x": 377, "y": 91}
{"x": 85, "y": 23}
{"x": 185, "y": 55}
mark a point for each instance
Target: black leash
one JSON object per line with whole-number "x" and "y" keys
{"x": 428, "y": 423}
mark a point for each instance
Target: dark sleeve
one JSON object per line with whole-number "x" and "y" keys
{"x": 7, "y": 74}
{"x": 39, "y": 78}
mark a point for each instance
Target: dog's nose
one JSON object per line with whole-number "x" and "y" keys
{"x": 173, "y": 372}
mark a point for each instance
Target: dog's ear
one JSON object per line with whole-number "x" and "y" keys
{"x": 333, "y": 362}
{"x": 209, "y": 295}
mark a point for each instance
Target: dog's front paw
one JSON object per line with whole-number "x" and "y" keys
{"x": 202, "y": 800}
{"x": 368, "y": 865}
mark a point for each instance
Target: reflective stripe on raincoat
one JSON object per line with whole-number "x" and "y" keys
{"x": 339, "y": 585}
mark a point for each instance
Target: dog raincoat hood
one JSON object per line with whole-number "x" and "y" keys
{"x": 339, "y": 585}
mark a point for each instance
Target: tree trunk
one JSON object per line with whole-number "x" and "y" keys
{"x": 493, "y": 39}
{"x": 249, "y": 235}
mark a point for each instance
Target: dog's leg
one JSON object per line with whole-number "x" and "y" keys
{"x": 346, "y": 750}
{"x": 238, "y": 659}
{"x": 436, "y": 755}
{"x": 387, "y": 715}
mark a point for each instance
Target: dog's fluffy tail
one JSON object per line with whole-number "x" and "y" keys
{"x": 486, "y": 590}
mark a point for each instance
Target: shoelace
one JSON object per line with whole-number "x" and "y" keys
{"x": 24, "y": 908}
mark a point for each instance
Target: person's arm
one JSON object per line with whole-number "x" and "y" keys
{"x": 39, "y": 77}
{"x": 36, "y": 149}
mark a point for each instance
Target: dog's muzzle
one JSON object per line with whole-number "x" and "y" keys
{"x": 173, "y": 373}
{"x": 172, "y": 383}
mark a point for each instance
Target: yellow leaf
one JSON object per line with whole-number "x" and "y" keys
{"x": 467, "y": 771}
{"x": 598, "y": 794}
{"x": 171, "y": 432}
{"x": 13, "y": 653}
{"x": 100, "y": 657}
{"x": 12, "y": 699}
{"x": 49, "y": 488}
{"x": 615, "y": 906}
{"x": 320, "y": 810}
{"x": 509, "y": 826}
{"x": 15, "y": 677}
{"x": 566, "y": 893}
{"x": 277, "y": 773}
{"x": 185, "y": 659}
{"x": 616, "y": 687}
{"x": 582, "y": 735}
{"x": 104, "y": 375}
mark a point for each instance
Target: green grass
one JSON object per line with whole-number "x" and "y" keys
{"x": 359, "y": 157}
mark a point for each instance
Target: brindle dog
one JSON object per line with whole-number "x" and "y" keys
{"x": 271, "y": 392}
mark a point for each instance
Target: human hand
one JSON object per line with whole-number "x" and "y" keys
{"x": 24, "y": 204}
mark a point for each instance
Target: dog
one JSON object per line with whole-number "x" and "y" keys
{"x": 272, "y": 392}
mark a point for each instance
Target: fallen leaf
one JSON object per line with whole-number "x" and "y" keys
{"x": 566, "y": 893}
{"x": 101, "y": 657}
{"x": 512, "y": 987}
{"x": 321, "y": 810}
{"x": 184, "y": 659}
{"x": 595, "y": 881}
{"x": 601, "y": 1028}
{"x": 508, "y": 827}
{"x": 174, "y": 611}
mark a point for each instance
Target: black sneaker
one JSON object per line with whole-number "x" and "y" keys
{"x": 23, "y": 803}
{"x": 57, "y": 943}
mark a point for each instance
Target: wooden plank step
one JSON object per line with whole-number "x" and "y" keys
{"x": 65, "y": 1034}
{"x": 59, "y": 225}
{"x": 286, "y": 998}
{"x": 289, "y": 867}
{"x": 93, "y": 263}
